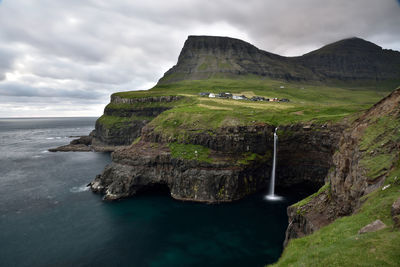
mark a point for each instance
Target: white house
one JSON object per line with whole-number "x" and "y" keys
{"x": 211, "y": 95}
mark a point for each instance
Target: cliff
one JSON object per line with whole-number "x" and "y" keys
{"x": 351, "y": 60}
{"x": 219, "y": 149}
{"x": 226, "y": 164}
{"x": 124, "y": 118}
{"x": 363, "y": 184}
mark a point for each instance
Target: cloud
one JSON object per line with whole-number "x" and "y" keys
{"x": 84, "y": 50}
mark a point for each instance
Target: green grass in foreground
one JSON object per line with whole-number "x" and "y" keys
{"x": 339, "y": 243}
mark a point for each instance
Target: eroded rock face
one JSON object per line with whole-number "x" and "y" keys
{"x": 146, "y": 164}
{"x": 82, "y": 144}
{"x": 150, "y": 162}
{"x": 348, "y": 180}
{"x": 233, "y": 139}
{"x": 395, "y": 211}
{"x": 106, "y": 138}
{"x": 305, "y": 153}
{"x": 125, "y": 134}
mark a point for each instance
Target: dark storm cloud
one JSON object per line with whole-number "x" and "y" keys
{"x": 88, "y": 49}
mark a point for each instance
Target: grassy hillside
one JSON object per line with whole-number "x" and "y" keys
{"x": 339, "y": 243}
{"x": 314, "y": 103}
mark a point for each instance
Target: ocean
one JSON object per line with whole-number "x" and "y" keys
{"x": 48, "y": 217}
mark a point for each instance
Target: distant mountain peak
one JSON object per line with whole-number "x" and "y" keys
{"x": 205, "y": 57}
{"x": 352, "y": 44}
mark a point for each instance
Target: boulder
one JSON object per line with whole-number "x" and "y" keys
{"x": 372, "y": 227}
{"x": 396, "y": 213}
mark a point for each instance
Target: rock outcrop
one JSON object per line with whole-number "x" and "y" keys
{"x": 82, "y": 144}
{"x": 121, "y": 123}
{"x": 395, "y": 212}
{"x": 373, "y": 227}
{"x": 145, "y": 164}
{"x": 305, "y": 153}
{"x": 367, "y": 151}
{"x": 240, "y": 160}
{"x": 354, "y": 59}
{"x": 124, "y": 119}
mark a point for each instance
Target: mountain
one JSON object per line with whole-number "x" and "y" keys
{"x": 354, "y": 59}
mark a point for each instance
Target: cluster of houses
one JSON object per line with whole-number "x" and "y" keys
{"x": 243, "y": 97}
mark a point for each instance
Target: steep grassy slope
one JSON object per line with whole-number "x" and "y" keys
{"x": 364, "y": 184}
{"x": 339, "y": 243}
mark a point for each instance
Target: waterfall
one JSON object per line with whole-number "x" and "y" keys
{"x": 271, "y": 194}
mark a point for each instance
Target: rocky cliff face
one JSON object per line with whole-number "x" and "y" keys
{"x": 305, "y": 153}
{"x": 145, "y": 165}
{"x": 354, "y": 59}
{"x": 240, "y": 160}
{"x": 367, "y": 153}
{"x": 127, "y": 117}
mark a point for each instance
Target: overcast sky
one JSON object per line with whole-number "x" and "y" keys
{"x": 65, "y": 57}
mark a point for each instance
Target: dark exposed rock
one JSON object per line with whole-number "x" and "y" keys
{"x": 124, "y": 134}
{"x": 143, "y": 165}
{"x": 372, "y": 227}
{"x": 82, "y": 144}
{"x": 301, "y": 224}
{"x": 395, "y": 211}
{"x": 233, "y": 139}
{"x": 348, "y": 180}
{"x": 305, "y": 152}
{"x": 353, "y": 59}
{"x": 72, "y": 148}
{"x": 106, "y": 138}
{"x": 83, "y": 140}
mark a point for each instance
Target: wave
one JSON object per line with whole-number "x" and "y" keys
{"x": 79, "y": 189}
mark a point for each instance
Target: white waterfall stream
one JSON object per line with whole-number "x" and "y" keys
{"x": 271, "y": 194}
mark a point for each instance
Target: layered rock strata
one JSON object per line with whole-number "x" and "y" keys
{"x": 227, "y": 178}
{"x": 356, "y": 170}
{"x": 128, "y": 117}
{"x": 146, "y": 164}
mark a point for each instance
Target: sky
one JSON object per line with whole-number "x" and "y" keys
{"x": 66, "y": 57}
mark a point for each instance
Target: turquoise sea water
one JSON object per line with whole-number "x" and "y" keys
{"x": 49, "y": 218}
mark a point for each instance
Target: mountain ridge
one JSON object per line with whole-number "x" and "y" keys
{"x": 352, "y": 59}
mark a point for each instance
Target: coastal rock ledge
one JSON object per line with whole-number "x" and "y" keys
{"x": 238, "y": 162}
{"x": 145, "y": 165}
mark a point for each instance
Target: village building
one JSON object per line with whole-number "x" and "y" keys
{"x": 239, "y": 97}
{"x": 204, "y": 94}
{"x": 212, "y": 95}
{"x": 225, "y": 95}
